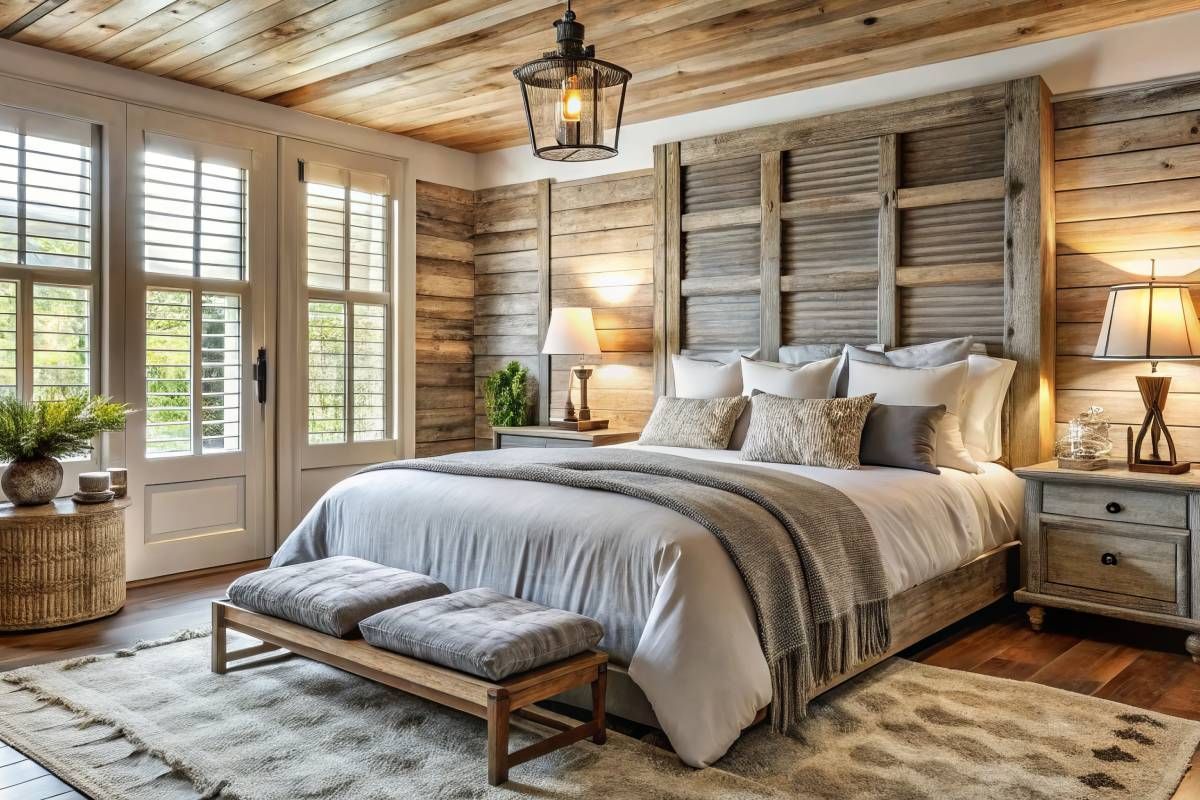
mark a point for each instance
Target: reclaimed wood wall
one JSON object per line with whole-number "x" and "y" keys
{"x": 899, "y": 224}
{"x": 1127, "y": 175}
{"x": 511, "y": 290}
{"x": 601, "y": 239}
{"x": 445, "y": 312}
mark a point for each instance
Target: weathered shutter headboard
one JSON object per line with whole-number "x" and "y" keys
{"x": 905, "y": 223}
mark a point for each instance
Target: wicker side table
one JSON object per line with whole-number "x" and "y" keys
{"x": 61, "y": 563}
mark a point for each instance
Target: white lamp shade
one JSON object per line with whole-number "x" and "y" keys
{"x": 571, "y": 332}
{"x": 1149, "y": 322}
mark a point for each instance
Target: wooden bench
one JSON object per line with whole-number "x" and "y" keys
{"x": 494, "y": 701}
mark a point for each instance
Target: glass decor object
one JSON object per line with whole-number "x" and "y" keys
{"x": 573, "y": 101}
{"x": 1086, "y": 444}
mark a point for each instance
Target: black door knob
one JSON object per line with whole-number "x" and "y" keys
{"x": 1114, "y": 507}
{"x": 1108, "y": 560}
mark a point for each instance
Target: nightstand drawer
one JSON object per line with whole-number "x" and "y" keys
{"x": 1114, "y": 564}
{"x": 1118, "y": 504}
{"x": 512, "y": 440}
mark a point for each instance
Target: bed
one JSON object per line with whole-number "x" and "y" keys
{"x": 679, "y": 623}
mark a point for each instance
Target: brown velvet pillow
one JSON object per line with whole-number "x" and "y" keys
{"x": 902, "y": 436}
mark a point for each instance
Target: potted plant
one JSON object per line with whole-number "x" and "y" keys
{"x": 506, "y": 395}
{"x": 33, "y": 436}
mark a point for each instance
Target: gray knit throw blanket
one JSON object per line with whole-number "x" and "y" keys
{"x": 806, "y": 553}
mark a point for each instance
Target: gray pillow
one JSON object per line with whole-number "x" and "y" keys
{"x": 902, "y": 436}
{"x": 692, "y": 422}
{"x": 933, "y": 354}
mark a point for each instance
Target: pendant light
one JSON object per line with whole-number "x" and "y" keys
{"x": 572, "y": 99}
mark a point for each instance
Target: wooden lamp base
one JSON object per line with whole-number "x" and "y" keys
{"x": 1154, "y": 390}
{"x": 584, "y": 421}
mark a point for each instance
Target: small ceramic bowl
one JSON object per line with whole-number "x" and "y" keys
{"x": 90, "y": 482}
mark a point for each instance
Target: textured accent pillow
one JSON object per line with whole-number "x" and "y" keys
{"x": 692, "y": 422}
{"x": 933, "y": 354}
{"x": 814, "y": 433}
{"x": 902, "y": 436}
{"x": 707, "y": 379}
{"x": 932, "y": 386}
{"x": 811, "y": 381}
{"x": 983, "y": 405}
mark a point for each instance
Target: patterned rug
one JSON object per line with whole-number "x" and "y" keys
{"x": 153, "y": 723}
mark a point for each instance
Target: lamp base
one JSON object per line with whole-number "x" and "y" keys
{"x": 1154, "y": 390}
{"x": 579, "y": 424}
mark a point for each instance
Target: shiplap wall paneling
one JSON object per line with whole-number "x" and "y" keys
{"x": 510, "y": 270}
{"x": 1126, "y": 174}
{"x": 445, "y": 318}
{"x": 601, "y": 240}
{"x": 905, "y": 223}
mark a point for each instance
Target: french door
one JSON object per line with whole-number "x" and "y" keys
{"x": 199, "y": 317}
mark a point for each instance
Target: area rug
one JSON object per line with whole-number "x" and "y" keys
{"x": 152, "y": 723}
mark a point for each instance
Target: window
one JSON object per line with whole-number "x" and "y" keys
{"x": 195, "y": 238}
{"x": 47, "y": 274}
{"x": 348, "y": 306}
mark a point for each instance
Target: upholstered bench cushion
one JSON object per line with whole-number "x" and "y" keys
{"x": 331, "y": 595}
{"x": 482, "y": 632}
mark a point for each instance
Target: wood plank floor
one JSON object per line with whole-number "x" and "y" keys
{"x": 1139, "y": 665}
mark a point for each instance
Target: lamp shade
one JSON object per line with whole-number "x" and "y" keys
{"x": 571, "y": 332}
{"x": 1149, "y": 322}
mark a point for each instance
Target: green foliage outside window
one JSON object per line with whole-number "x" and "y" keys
{"x": 506, "y": 394}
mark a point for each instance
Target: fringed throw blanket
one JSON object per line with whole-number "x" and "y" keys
{"x": 806, "y": 553}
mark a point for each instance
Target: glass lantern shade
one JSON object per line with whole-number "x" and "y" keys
{"x": 573, "y": 107}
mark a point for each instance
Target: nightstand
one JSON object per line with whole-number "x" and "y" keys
{"x": 545, "y": 436}
{"x": 1113, "y": 542}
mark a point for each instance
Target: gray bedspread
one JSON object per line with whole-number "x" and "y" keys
{"x": 805, "y": 552}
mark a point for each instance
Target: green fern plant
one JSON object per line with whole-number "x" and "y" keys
{"x": 506, "y": 395}
{"x": 55, "y": 428}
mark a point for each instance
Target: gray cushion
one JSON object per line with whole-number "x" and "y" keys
{"x": 933, "y": 354}
{"x": 482, "y": 632}
{"x": 331, "y": 595}
{"x": 902, "y": 436}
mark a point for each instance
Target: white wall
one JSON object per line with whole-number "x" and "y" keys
{"x": 1129, "y": 54}
{"x": 429, "y": 162}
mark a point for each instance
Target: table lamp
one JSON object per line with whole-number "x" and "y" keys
{"x": 573, "y": 332}
{"x": 1153, "y": 321}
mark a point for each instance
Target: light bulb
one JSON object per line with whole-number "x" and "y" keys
{"x": 570, "y": 107}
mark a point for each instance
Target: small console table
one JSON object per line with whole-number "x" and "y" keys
{"x": 61, "y": 563}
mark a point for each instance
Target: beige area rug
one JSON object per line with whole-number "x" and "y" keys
{"x": 154, "y": 723}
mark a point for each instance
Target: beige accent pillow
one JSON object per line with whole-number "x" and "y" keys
{"x": 692, "y": 422}
{"x": 815, "y": 433}
{"x": 921, "y": 386}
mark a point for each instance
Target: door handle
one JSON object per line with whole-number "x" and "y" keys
{"x": 260, "y": 374}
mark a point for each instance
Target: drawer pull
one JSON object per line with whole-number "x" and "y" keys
{"x": 1108, "y": 560}
{"x": 1114, "y": 507}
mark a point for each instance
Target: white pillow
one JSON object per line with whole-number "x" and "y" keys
{"x": 803, "y": 382}
{"x": 707, "y": 380}
{"x": 983, "y": 405}
{"x": 921, "y": 386}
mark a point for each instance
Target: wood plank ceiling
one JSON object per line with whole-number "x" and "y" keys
{"x": 440, "y": 70}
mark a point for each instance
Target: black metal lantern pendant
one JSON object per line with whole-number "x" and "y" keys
{"x": 572, "y": 98}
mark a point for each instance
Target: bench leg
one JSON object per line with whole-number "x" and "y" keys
{"x": 497, "y": 747}
{"x": 599, "y": 690}
{"x": 219, "y": 661}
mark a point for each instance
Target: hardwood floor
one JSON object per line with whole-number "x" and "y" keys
{"x": 1135, "y": 664}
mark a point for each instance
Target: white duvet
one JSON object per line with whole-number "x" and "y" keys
{"x": 674, "y": 608}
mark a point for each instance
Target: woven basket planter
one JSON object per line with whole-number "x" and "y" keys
{"x": 60, "y": 564}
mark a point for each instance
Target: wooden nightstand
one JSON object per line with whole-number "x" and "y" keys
{"x": 542, "y": 436}
{"x": 1113, "y": 542}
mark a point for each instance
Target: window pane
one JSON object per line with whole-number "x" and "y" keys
{"x": 326, "y": 372}
{"x": 368, "y": 242}
{"x": 369, "y": 372}
{"x": 168, "y": 372}
{"x": 195, "y": 215}
{"x": 220, "y": 380}
{"x": 325, "y": 212}
{"x": 61, "y": 341}
{"x": 47, "y": 184}
{"x": 8, "y": 338}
